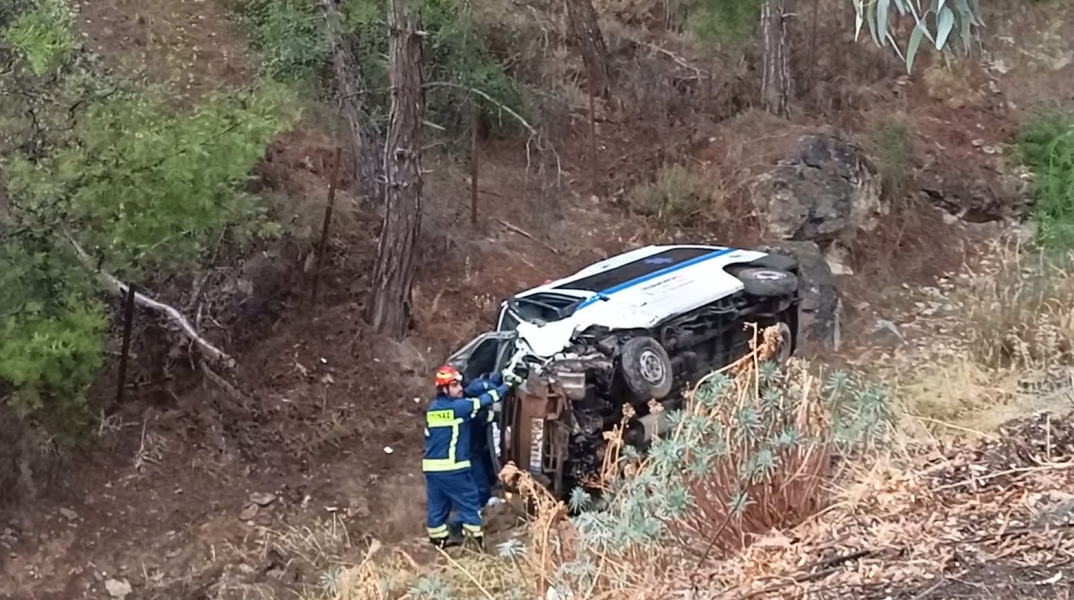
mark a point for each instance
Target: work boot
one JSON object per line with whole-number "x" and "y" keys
{"x": 443, "y": 543}
{"x": 475, "y": 543}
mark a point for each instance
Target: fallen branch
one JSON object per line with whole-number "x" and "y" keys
{"x": 524, "y": 233}
{"x": 117, "y": 287}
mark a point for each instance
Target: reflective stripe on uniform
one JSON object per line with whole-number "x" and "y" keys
{"x": 440, "y": 465}
{"x": 477, "y": 402}
{"x": 472, "y": 529}
{"x": 492, "y": 416}
{"x": 444, "y": 418}
{"x": 438, "y": 532}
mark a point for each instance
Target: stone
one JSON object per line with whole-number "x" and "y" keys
{"x": 118, "y": 588}
{"x": 262, "y": 498}
{"x": 820, "y": 312}
{"x": 827, "y": 190}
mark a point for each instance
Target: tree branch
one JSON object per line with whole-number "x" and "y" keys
{"x": 117, "y": 287}
{"x": 478, "y": 92}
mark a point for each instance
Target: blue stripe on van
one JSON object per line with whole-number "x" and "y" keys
{"x": 655, "y": 274}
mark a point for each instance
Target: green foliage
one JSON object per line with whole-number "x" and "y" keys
{"x": 142, "y": 188}
{"x": 1046, "y": 145}
{"x": 961, "y": 16}
{"x": 288, "y": 36}
{"x": 43, "y": 36}
{"x": 676, "y": 198}
{"x": 431, "y": 588}
{"x": 50, "y": 333}
{"x": 890, "y": 145}
{"x": 723, "y": 21}
{"x": 741, "y": 457}
{"x": 454, "y": 52}
{"x": 91, "y": 161}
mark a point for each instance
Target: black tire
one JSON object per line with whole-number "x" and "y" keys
{"x": 761, "y": 281}
{"x": 646, "y": 368}
{"x": 786, "y": 338}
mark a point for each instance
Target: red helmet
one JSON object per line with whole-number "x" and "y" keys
{"x": 447, "y": 375}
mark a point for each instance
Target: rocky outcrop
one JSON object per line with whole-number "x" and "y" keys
{"x": 825, "y": 191}
{"x": 820, "y": 311}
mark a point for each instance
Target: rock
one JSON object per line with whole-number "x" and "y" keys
{"x": 249, "y": 512}
{"x": 887, "y": 333}
{"x": 118, "y": 588}
{"x": 262, "y": 498}
{"x": 826, "y": 191}
{"x": 821, "y": 306}
{"x": 69, "y": 514}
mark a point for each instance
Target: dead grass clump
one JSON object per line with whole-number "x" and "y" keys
{"x": 1021, "y": 311}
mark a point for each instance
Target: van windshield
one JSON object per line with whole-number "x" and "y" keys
{"x": 539, "y": 309}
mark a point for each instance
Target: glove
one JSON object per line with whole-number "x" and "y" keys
{"x": 511, "y": 380}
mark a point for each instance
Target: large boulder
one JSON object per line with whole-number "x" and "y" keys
{"x": 820, "y": 311}
{"x": 825, "y": 191}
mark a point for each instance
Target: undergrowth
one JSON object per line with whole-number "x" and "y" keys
{"x": 677, "y": 197}
{"x": 753, "y": 450}
{"x": 103, "y": 177}
{"x": 291, "y": 41}
{"x": 1021, "y": 311}
{"x": 1046, "y": 145}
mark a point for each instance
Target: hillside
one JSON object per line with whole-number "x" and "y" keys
{"x": 932, "y": 208}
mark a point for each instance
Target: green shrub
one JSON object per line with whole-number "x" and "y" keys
{"x": 723, "y": 22}
{"x": 112, "y": 168}
{"x": 288, "y": 37}
{"x": 1046, "y": 145}
{"x": 43, "y": 36}
{"x": 890, "y": 146}
{"x": 677, "y": 197}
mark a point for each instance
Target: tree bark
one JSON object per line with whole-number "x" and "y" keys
{"x": 365, "y": 140}
{"x": 775, "y": 56}
{"x": 394, "y": 274}
{"x": 586, "y": 30}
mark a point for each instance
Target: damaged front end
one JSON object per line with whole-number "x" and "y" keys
{"x": 553, "y": 426}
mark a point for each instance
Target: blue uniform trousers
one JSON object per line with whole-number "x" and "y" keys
{"x": 445, "y": 490}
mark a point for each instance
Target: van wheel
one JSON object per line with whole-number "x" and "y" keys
{"x": 646, "y": 368}
{"x": 785, "y": 341}
{"x": 760, "y": 281}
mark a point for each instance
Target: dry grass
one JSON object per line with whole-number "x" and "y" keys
{"x": 1021, "y": 312}
{"x": 1006, "y": 352}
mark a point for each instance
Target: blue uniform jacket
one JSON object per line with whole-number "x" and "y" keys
{"x": 447, "y": 426}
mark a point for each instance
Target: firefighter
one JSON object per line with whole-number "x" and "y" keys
{"x": 448, "y": 480}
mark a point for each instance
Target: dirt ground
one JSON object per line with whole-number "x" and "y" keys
{"x": 329, "y": 423}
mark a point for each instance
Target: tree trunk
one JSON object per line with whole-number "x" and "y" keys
{"x": 586, "y": 30}
{"x": 394, "y": 274}
{"x": 775, "y": 56}
{"x": 351, "y": 89}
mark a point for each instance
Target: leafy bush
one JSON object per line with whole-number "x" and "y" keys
{"x": 1046, "y": 145}
{"x": 43, "y": 35}
{"x": 288, "y": 36}
{"x": 676, "y": 198}
{"x": 116, "y": 171}
{"x": 723, "y": 22}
